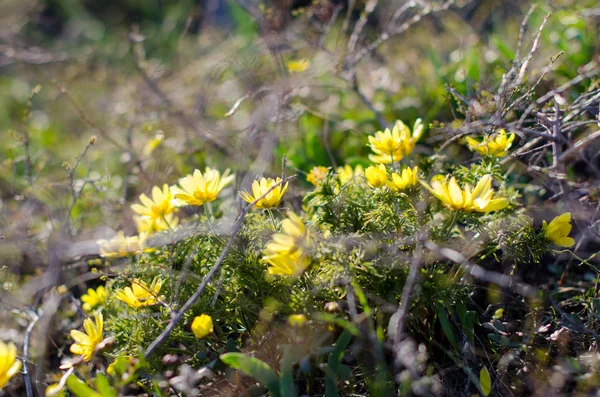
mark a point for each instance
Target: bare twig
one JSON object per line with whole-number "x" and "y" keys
{"x": 407, "y": 292}
{"x": 396, "y": 30}
{"x": 74, "y": 194}
{"x": 534, "y": 48}
{"x": 366, "y": 101}
{"x": 579, "y": 147}
{"x": 236, "y": 105}
{"x": 346, "y": 23}
{"x": 587, "y": 71}
{"x": 327, "y": 28}
{"x": 26, "y": 142}
{"x": 522, "y": 31}
{"x": 358, "y": 27}
{"x": 26, "y": 342}
{"x": 63, "y": 90}
{"x": 480, "y": 273}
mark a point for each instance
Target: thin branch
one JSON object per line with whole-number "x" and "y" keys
{"x": 63, "y": 90}
{"x": 480, "y": 273}
{"x": 556, "y": 133}
{"x": 394, "y": 31}
{"x": 26, "y": 141}
{"x": 366, "y": 101}
{"x": 327, "y": 28}
{"x": 522, "y": 31}
{"x": 346, "y": 23}
{"x": 359, "y": 26}
{"x": 26, "y": 342}
{"x": 75, "y": 195}
{"x": 534, "y": 48}
{"x": 578, "y": 147}
{"x": 587, "y": 71}
{"x": 407, "y": 292}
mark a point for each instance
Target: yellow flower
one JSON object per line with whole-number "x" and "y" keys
{"x": 346, "y": 173}
{"x": 298, "y": 66}
{"x": 317, "y": 175}
{"x": 289, "y": 264}
{"x": 199, "y": 188}
{"x": 495, "y": 146}
{"x": 9, "y": 365}
{"x": 148, "y": 225}
{"x": 286, "y": 252}
{"x": 121, "y": 246}
{"x": 272, "y": 199}
{"x": 55, "y": 390}
{"x": 140, "y": 294}
{"x": 296, "y": 320}
{"x": 153, "y": 143}
{"x": 392, "y": 146}
{"x": 467, "y": 199}
{"x": 376, "y": 176}
{"x": 159, "y": 205}
{"x": 93, "y": 298}
{"x": 202, "y": 326}
{"x": 87, "y": 342}
{"x": 403, "y": 181}
{"x": 122, "y": 365}
{"x": 558, "y": 230}
{"x": 295, "y": 235}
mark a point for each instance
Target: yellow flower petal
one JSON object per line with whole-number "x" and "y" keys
{"x": 202, "y": 326}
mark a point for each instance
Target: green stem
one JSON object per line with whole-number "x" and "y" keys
{"x": 272, "y": 219}
{"x": 208, "y": 213}
{"x": 167, "y": 223}
{"x": 451, "y": 224}
{"x": 584, "y": 261}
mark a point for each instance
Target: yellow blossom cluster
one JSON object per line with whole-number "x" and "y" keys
{"x": 467, "y": 199}
{"x": 492, "y": 145}
{"x": 271, "y": 189}
{"x": 287, "y": 254}
{"x": 93, "y": 299}
{"x": 87, "y": 343}
{"x": 317, "y": 175}
{"x": 391, "y": 146}
{"x": 120, "y": 245}
{"x": 141, "y": 294}
{"x": 157, "y": 213}
{"x": 377, "y": 177}
{"x": 347, "y": 173}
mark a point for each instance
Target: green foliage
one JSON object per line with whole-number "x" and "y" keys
{"x": 485, "y": 381}
{"x": 331, "y": 209}
{"x": 257, "y": 369}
